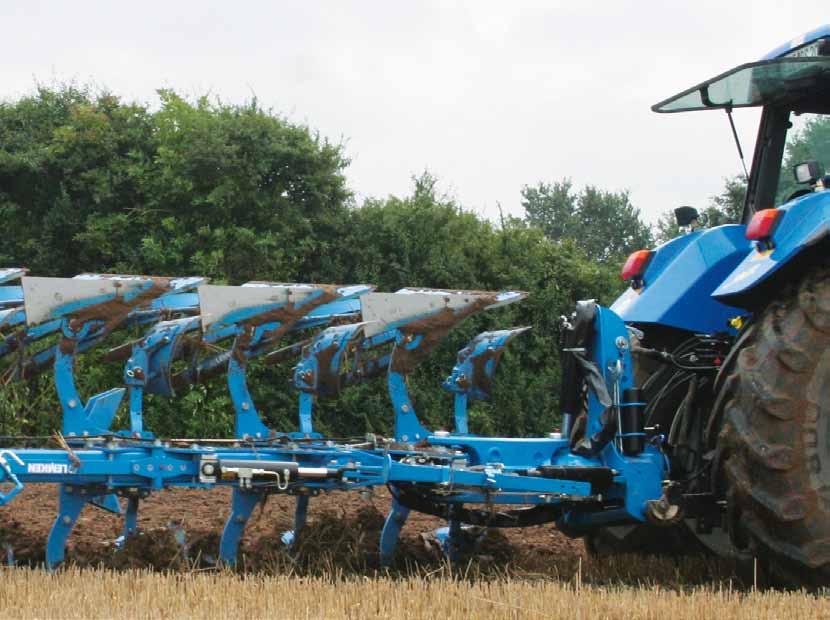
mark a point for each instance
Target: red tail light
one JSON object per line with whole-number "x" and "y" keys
{"x": 636, "y": 265}
{"x": 763, "y": 224}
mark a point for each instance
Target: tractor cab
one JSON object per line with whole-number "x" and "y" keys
{"x": 792, "y": 85}
{"x": 785, "y": 223}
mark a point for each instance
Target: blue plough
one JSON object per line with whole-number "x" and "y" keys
{"x": 197, "y": 331}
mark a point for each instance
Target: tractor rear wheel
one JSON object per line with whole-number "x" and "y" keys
{"x": 675, "y": 540}
{"x": 773, "y": 445}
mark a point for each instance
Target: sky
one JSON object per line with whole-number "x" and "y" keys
{"x": 487, "y": 96}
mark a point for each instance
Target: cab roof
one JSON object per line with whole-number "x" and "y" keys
{"x": 795, "y": 75}
{"x": 801, "y": 45}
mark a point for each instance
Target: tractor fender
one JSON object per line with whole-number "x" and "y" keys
{"x": 676, "y": 288}
{"x": 805, "y": 222}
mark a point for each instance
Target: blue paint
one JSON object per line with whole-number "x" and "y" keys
{"x": 248, "y": 423}
{"x": 391, "y": 531}
{"x": 408, "y": 427}
{"x": 11, "y": 296}
{"x": 472, "y": 375}
{"x": 70, "y": 504}
{"x": 805, "y": 222}
{"x": 681, "y": 278}
{"x": 242, "y": 505}
{"x": 108, "y": 502}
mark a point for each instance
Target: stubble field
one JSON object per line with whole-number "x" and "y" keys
{"x": 136, "y": 594}
{"x": 169, "y": 570}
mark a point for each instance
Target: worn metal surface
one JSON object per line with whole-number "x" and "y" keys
{"x": 218, "y": 302}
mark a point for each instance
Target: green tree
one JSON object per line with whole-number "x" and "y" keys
{"x": 812, "y": 141}
{"x": 551, "y": 207}
{"x": 90, "y": 183}
{"x": 723, "y": 208}
{"x": 427, "y": 239}
{"x": 604, "y": 224}
{"x": 229, "y": 192}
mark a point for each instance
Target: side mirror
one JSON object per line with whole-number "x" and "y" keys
{"x": 686, "y": 216}
{"x": 808, "y": 172}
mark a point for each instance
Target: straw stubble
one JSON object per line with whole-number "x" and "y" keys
{"x": 75, "y": 593}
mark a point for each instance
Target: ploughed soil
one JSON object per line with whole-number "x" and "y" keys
{"x": 180, "y": 528}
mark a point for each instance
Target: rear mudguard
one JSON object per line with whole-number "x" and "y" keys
{"x": 804, "y": 224}
{"x": 677, "y": 286}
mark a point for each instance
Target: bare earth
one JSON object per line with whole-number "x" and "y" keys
{"x": 25, "y": 524}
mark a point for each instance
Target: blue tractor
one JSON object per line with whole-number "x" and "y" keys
{"x": 730, "y": 335}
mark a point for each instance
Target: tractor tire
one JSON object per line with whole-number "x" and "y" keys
{"x": 644, "y": 539}
{"x": 772, "y": 436}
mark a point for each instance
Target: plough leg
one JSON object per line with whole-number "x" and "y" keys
{"x": 70, "y": 504}
{"x": 131, "y": 517}
{"x": 461, "y": 426}
{"x": 306, "y": 408}
{"x": 391, "y": 531}
{"x": 248, "y": 422}
{"x": 300, "y": 514}
{"x": 289, "y": 537}
{"x": 242, "y": 505}
{"x": 454, "y": 539}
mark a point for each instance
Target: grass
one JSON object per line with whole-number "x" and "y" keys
{"x": 97, "y": 593}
